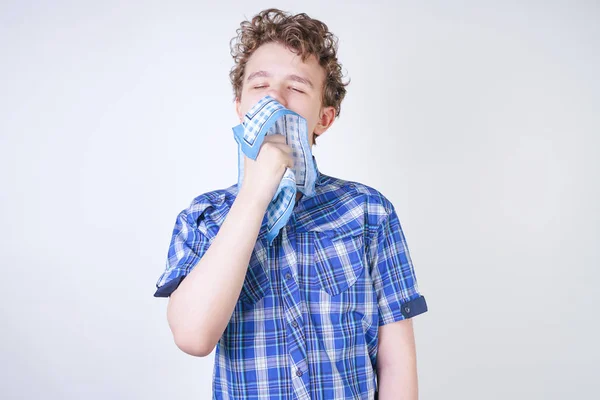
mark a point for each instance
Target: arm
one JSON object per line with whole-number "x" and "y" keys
{"x": 200, "y": 308}
{"x": 397, "y": 361}
{"x": 399, "y": 301}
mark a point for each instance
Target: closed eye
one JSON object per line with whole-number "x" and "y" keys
{"x": 297, "y": 90}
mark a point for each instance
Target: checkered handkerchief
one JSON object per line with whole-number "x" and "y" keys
{"x": 269, "y": 117}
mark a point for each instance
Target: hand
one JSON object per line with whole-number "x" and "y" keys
{"x": 263, "y": 175}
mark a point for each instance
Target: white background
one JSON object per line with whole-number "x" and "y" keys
{"x": 478, "y": 120}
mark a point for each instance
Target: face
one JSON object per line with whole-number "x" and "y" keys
{"x": 276, "y": 71}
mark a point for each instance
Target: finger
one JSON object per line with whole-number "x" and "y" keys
{"x": 283, "y": 147}
{"x": 277, "y": 138}
{"x": 290, "y": 161}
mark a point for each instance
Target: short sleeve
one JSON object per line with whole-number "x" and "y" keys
{"x": 188, "y": 245}
{"x": 393, "y": 274}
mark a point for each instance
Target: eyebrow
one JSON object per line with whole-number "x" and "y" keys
{"x": 265, "y": 74}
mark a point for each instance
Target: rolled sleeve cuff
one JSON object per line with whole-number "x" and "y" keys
{"x": 414, "y": 307}
{"x": 169, "y": 287}
{"x": 407, "y": 309}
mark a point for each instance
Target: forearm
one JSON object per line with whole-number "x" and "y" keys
{"x": 200, "y": 308}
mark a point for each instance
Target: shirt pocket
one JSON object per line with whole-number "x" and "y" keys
{"x": 339, "y": 259}
{"x": 257, "y": 282}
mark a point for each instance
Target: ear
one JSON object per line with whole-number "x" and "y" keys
{"x": 325, "y": 121}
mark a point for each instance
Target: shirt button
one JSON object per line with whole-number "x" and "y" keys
{"x": 288, "y": 276}
{"x": 299, "y": 373}
{"x": 294, "y": 324}
{"x": 407, "y": 309}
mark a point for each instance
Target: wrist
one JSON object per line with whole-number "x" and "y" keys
{"x": 253, "y": 198}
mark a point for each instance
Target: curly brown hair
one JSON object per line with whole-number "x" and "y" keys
{"x": 300, "y": 33}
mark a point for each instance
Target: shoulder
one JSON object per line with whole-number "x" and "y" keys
{"x": 375, "y": 206}
{"x": 208, "y": 210}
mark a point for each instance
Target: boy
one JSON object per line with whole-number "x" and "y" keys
{"x": 324, "y": 311}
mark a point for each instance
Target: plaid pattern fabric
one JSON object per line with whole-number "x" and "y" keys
{"x": 306, "y": 322}
{"x": 269, "y": 117}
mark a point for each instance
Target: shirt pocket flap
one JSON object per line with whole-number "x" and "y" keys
{"x": 340, "y": 228}
{"x": 339, "y": 258}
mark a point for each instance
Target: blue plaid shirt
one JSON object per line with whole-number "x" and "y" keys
{"x": 306, "y": 323}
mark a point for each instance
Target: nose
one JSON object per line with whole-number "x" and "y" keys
{"x": 276, "y": 93}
